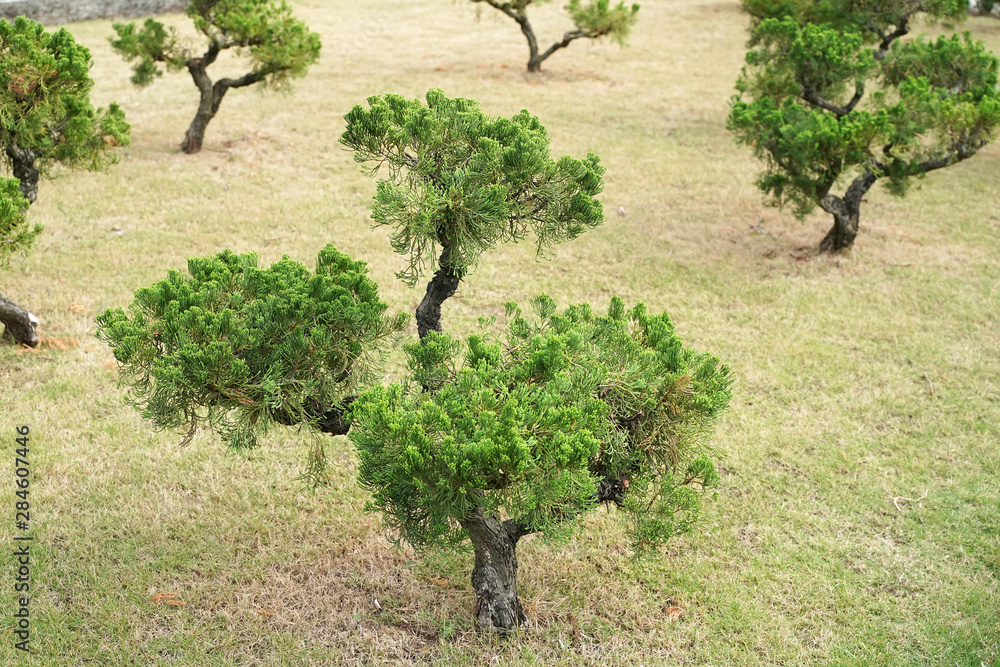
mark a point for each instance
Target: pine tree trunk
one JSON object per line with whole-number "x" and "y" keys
{"x": 846, "y": 213}
{"x": 208, "y": 104}
{"x": 841, "y": 235}
{"x": 21, "y": 326}
{"x": 534, "y": 60}
{"x": 195, "y": 135}
{"x": 210, "y": 96}
{"x": 494, "y": 575}
{"x": 443, "y": 285}
{"x": 22, "y": 166}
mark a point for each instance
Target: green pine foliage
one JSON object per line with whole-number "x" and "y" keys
{"x": 877, "y": 19}
{"x": 460, "y": 182}
{"x": 821, "y": 106}
{"x": 278, "y": 46}
{"x": 45, "y": 100}
{"x": 529, "y": 423}
{"x": 599, "y": 18}
{"x": 238, "y": 347}
{"x": 46, "y": 120}
{"x": 15, "y": 233}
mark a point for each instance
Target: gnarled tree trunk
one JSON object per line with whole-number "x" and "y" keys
{"x": 22, "y": 165}
{"x": 208, "y": 102}
{"x": 328, "y": 420}
{"x": 846, "y": 213}
{"x": 210, "y": 96}
{"x": 442, "y": 285}
{"x": 534, "y": 60}
{"x": 20, "y": 325}
{"x": 494, "y": 574}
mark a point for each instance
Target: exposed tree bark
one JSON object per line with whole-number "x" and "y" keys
{"x": 442, "y": 285}
{"x": 494, "y": 574}
{"x": 22, "y": 166}
{"x": 21, "y": 326}
{"x": 846, "y": 214}
{"x": 536, "y": 59}
{"x": 331, "y": 420}
{"x": 210, "y": 95}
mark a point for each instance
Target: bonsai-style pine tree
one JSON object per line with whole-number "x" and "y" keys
{"x": 593, "y": 20}
{"x": 460, "y": 182}
{"x": 240, "y": 348}
{"x": 525, "y": 431}
{"x": 831, "y": 98}
{"x": 278, "y": 45}
{"x": 529, "y": 430}
{"x": 558, "y": 416}
{"x": 46, "y": 120}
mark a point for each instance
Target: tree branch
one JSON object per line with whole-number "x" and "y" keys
{"x": 888, "y": 38}
{"x": 611, "y": 489}
{"x": 504, "y": 7}
{"x": 328, "y": 420}
{"x": 812, "y": 97}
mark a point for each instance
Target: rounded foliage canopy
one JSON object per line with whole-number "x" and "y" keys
{"x": 530, "y": 424}
{"x": 279, "y": 46}
{"x": 877, "y": 19}
{"x": 599, "y": 18}
{"x": 464, "y": 181}
{"x": 240, "y": 347}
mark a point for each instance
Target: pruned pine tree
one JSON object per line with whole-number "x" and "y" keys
{"x": 239, "y": 348}
{"x": 524, "y": 432}
{"x": 278, "y": 46}
{"x": 459, "y": 182}
{"x": 46, "y": 121}
{"x": 594, "y": 20}
{"x": 831, "y": 98}
{"x": 528, "y": 430}
{"x": 554, "y": 417}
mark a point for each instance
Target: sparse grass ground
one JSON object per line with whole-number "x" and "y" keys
{"x": 862, "y": 379}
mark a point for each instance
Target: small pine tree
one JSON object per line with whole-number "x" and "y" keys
{"x": 459, "y": 182}
{"x": 552, "y": 418}
{"x": 240, "y": 348}
{"x": 525, "y": 432}
{"x": 529, "y": 430}
{"x": 46, "y": 121}
{"x": 593, "y": 20}
{"x": 835, "y": 98}
{"x": 278, "y": 45}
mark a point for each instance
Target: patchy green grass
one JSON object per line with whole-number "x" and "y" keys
{"x": 857, "y": 523}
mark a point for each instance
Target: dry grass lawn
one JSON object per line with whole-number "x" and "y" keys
{"x": 857, "y": 522}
